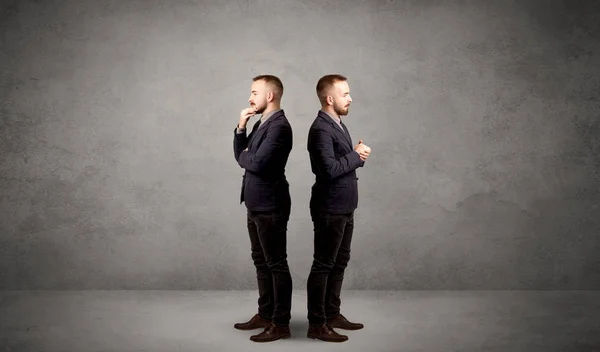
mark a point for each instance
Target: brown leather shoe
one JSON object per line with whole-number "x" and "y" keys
{"x": 272, "y": 332}
{"x": 324, "y": 333}
{"x": 257, "y": 322}
{"x": 340, "y": 322}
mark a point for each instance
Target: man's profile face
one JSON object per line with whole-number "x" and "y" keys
{"x": 258, "y": 96}
{"x": 341, "y": 97}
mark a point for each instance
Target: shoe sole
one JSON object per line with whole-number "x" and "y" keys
{"x": 345, "y": 328}
{"x": 247, "y": 329}
{"x": 318, "y": 338}
{"x": 279, "y": 338}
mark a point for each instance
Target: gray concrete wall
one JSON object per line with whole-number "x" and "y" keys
{"x": 117, "y": 117}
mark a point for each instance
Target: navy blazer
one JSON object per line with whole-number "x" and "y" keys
{"x": 334, "y": 163}
{"x": 264, "y": 186}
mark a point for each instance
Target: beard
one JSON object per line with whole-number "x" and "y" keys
{"x": 259, "y": 109}
{"x": 341, "y": 110}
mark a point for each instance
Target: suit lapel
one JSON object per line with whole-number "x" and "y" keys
{"x": 253, "y": 132}
{"x": 344, "y": 133}
{"x": 258, "y": 130}
{"x": 275, "y": 116}
{"x": 347, "y": 135}
{"x": 255, "y": 127}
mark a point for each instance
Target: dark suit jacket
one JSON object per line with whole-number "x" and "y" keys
{"x": 334, "y": 163}
{"x": 264, "y": 186}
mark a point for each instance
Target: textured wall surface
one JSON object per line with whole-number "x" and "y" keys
{"x": 117, "y": 118}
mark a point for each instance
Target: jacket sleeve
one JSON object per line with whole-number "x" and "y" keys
{"x": 328, "y": 166}
{"x": 240, "y": 142}
{"x": 274, "y": 148}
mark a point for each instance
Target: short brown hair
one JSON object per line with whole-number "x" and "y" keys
{"x": 272, "y": 80}
{"x": 327, "y": 82}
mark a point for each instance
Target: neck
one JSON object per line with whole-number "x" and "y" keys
{"x": 329, "y": 109}
{"x": 271, "y": 108}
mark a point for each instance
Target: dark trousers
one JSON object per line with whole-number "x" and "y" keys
{"x": 268, "y": 231}
{"x": 332, "y": 238}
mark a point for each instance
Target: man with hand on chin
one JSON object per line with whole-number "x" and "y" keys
{"x": 333, "y": 200}
{"x": 265, "y": 191}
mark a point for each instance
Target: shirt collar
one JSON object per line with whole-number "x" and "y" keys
{"x": 266, "y": 117}
{"x": 334, "y": 118}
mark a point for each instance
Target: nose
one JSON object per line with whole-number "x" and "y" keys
{"x": 349, "y": 99}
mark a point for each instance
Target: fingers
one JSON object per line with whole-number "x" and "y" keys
{"x": 367, "y": 148}
{"x": 361, "y": 144}
{"x": 363, "y": 149}
{"x": 247, "y": 114}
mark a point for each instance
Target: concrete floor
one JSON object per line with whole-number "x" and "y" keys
{"x": 394, "y": 321}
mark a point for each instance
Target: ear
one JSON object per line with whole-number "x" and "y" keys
{"x": 329, "y": 100}
{"x": 270, "y": 96}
